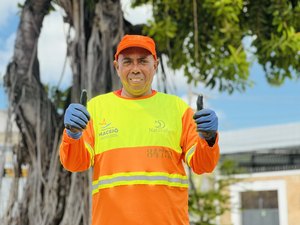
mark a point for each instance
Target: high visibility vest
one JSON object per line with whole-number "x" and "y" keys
{"x": 137, "y": 149}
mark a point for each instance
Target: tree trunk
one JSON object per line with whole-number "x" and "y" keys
{"x": 97, "y": 33}
{"x": 52, "y": 195}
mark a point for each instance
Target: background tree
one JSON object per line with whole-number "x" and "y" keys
{"x": 52, "y": 195}
{"x": 211, "y": 198}
{"x": 204, "y": 37}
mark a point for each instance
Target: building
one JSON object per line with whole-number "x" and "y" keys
{"x": 3, "y": 127}
{"x": 7, "y": 159}
{"x": 269, "y": 162}
{"x": 7, "y": 141}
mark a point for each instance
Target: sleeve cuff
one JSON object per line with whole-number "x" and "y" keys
{"x": 68, "y": 138}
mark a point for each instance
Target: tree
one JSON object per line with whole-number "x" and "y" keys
{"x": 52, "y": 195}
{"x": 204, "y": 37}
{"x": 206, "y": 204}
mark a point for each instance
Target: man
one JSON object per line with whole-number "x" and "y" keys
{"x": 136, "y": 139}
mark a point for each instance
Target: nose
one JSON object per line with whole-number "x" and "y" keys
{"x": 135, "y": 68}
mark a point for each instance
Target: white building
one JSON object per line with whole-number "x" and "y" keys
{"x": 7, "y": 159}
{"x": 269, "y": 158}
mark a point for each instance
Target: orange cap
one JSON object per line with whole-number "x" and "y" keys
{"x": 140, "y": 41}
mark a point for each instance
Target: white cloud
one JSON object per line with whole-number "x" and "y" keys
{"x": 51, "y": 46}
{"x": 6, "y": 53}
{"x": 178, "y": 84}
{"x": 8, "y": 9}
{"x": 52, "y": 50}
{"x": 136, "y": 15}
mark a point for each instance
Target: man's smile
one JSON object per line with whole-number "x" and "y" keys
{"x": 136, "y": 80}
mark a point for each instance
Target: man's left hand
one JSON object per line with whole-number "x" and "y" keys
{"x": 207, "y": 124}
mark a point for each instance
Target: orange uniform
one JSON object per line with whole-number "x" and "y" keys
{"x": 137, "y": 148}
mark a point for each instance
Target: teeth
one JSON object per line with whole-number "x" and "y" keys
{"x": 136, "y": 80}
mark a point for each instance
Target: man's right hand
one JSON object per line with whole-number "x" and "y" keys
{"x": 76, "y": 119}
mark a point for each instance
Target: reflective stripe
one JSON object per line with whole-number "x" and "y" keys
{"x": 91, "y": 151}
{"x": 189, "y": 154}
{"x": 154, "y": 178}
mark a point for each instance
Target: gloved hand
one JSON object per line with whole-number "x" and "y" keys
{"x": 207, "y": 124}
{"x": 76, "y": 119}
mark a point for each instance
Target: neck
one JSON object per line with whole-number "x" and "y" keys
{"x": 125, "y": 94}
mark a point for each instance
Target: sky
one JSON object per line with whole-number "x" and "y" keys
{"x": 262, "y": 105}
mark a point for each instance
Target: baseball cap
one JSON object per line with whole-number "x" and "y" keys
{"x": 140, "y": 41}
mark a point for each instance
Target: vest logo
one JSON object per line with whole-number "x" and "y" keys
{"x": 159, "y": 126}
{"x": 107, "y": 130}
{"x": 159, "y": 153}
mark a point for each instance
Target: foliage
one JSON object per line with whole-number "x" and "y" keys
{"x": 205, "y": 38}
{"x": 59, "y": 98}
{"x": 206, "y": 205}
{"x": 276, "y": 28}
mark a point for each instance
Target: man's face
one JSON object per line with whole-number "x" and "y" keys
{"x": 136, "y": 68}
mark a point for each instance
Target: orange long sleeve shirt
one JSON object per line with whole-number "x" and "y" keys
{"x": 137, "y": 148}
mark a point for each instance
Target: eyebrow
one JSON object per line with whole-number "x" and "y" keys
{"x": 129, "y": 58}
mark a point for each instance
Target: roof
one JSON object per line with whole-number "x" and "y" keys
{"x": 260, "y": 138}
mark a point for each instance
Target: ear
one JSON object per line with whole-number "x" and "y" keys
{"x": 156, "y": 63}
{"x": 116, "y": 65}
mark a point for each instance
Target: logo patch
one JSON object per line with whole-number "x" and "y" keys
{"x": 107, "y": 130}
{"x": 159, "y": 126}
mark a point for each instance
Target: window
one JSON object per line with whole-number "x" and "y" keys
{"x": 259, "y": 203}
{"x": 259, "y": 207}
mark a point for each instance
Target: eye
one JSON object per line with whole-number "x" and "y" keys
{"x": 126, "y": 62}
{"x": 143, "y": 61}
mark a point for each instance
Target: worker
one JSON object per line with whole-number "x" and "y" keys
{"x": 137, "y": 140}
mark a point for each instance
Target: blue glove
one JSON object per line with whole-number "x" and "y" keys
{"x": 207, "y": 124}
{"x": 76, "y": 119}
